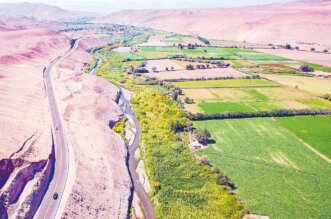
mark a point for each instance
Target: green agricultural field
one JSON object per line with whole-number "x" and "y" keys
{"x": 224, "y": 107}
{"x": 252, "y": 99}
{"x": 215, "y": 52}
{"x": 151, "y": 52}
{"x": 226, "y": 83}
{"x": 315, "y": 85}
{"x": 194, "y": 53}
{"x": 159, "y": 49}
{"x": 252, "y": 94}
{"x": 275, "y": 174}
{"x": 316, "y": 103}
{"x": 314, "y": 130}
{"x": 130, "y": 55}
{"x": 259, "y": 56}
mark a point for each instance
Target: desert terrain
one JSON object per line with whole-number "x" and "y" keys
{"x": 165, "y": 113}
{"x": 272, "y": 23}
{"x": 24, "y": 102}
{"x": 88, "y": 106}
{"x": 27, "y": 149}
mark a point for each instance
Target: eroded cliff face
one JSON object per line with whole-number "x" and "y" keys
{"x": 99, "y": 184}
{"x": 24, "y": 182}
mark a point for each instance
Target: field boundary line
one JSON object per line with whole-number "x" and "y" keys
{"x": 232, "y": 87}
{"x": 305, "y": 143}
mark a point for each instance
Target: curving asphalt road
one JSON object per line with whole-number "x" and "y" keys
{"x": 49, "y": 206}
{"x": 145, "y": 200}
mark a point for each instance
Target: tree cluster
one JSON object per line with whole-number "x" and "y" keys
{"x": 306, "y": 68}
{"x": 201, "y": 135}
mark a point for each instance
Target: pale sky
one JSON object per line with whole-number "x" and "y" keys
{"x": 104, "y": 6}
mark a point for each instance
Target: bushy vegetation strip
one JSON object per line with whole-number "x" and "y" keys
{"x": 181, "y": 186}
{"x": 273, "y": 113}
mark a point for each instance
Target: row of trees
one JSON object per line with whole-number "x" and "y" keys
{"x": 214, "y": 78}
{"x": 204, "y": 40}
{"x": 207, "y": 66}
{"x": 288, "y": 46}
{"x": 273, "y": 113}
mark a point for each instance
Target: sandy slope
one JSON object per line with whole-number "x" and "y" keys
{"x": 278, "y": 23}
{"x": 100, "y": 183}
{"x": 25, "y": 128}
{"x": 23, "y": 103}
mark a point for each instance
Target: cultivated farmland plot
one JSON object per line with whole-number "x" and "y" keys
{"x": 315, "y": 85}
{"x": 162, "y": 64}
{"x": 155, "y": 40}
{"x": 182, "y": 39}
{"x": 221, "y": 100}
{"x": 275, "y": 174}
{"x": 226, "y": 83}
{"x": 316, "y": 58}
{"x": 198, "y": 73}
{"x": 314, "y": 130}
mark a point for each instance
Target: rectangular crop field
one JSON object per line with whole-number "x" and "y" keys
{"x": 259, "y": 56}
{"x": 183, "y": 39}
{"x": 315, "y": 85}
{"x": 247, "y": 94}
{"x": 158, "y": 49}
{"x": 198, "y": 73}
{"x": 306, "y": 56}
{"x": 215, "y": 52}
{"x": 226, "y": 83}
{"x": 275, "y": 174}
{"x": 314, "y": 130}
{"x": 224, "y": 107}
{"x": 222, "y": 100}
{"x": 162, "y": 65}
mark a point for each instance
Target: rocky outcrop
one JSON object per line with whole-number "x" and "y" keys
{"x": 16, "y": 173}
{"x": 6, "y": 168}
{"x": 32, "y": 202}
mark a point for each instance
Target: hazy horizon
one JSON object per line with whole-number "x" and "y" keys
{"x": 104, "y": 6}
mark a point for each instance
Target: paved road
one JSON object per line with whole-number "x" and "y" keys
{"x": 145, "y": 200}
{"x": 48, "y": 207}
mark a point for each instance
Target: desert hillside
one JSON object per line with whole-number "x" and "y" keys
{"x": 39, "y": 11}
{"x": 303, "y": 21}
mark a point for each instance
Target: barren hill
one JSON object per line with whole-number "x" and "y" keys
{"x": 301, "y": 21}
{"x": 38, "y": 11}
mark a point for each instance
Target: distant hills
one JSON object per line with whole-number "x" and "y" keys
{"x": 302, "y": 21}
{"x": 40, "y": 11}
{"x": 306, "y": 21}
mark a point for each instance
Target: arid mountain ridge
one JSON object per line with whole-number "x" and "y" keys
{"x": 301, "y": 21}
{"x": 305, "y": 21}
